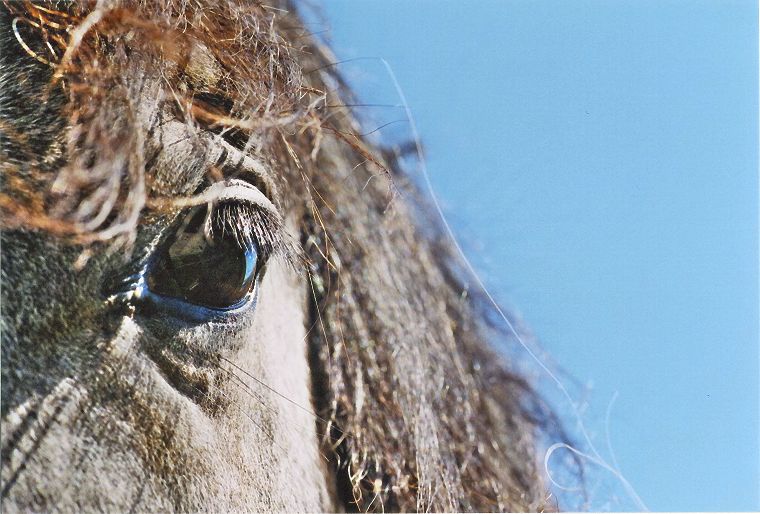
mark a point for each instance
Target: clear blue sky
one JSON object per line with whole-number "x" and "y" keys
{"x": 600, "y": 163}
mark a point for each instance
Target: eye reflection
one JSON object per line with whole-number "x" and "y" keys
{"x": 214, "y": 270}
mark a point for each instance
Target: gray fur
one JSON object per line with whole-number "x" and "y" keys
{"x": 109, "y": 407}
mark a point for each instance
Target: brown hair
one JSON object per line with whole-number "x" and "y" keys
{"x": 423, "y": 414}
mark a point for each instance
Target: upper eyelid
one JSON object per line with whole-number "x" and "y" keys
{"x": 242, "y": 191}
{"x": 231, "y": 189}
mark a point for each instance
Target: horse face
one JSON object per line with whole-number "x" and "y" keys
{"x": 154, "y": 321}
{"x": 123, "y": 416}
{"x": 118, "y": 396}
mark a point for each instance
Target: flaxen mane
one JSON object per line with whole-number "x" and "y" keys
{"x": 416, "y": 411}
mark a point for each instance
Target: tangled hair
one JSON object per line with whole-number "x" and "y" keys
{"x": 422, "y": 413}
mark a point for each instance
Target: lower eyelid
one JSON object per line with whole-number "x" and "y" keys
{"x": 152, "y": 304}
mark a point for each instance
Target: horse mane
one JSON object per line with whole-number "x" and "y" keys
{"x": 423, "y": 413}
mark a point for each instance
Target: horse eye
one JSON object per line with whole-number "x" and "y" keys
{"x": 212, "y": 269}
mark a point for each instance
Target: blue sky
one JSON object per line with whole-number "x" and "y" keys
{"x": 599, "y": 161}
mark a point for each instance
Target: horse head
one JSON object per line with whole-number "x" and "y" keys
{"x": 216, "y": 295}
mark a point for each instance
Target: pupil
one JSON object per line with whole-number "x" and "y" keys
{"x": 214, "y": 273}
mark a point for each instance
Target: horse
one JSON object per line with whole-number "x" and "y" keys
{"x": 218, "y": 296}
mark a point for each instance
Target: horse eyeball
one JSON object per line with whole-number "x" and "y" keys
{"x": 212, "y": 269}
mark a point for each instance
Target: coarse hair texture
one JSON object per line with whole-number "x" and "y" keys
{"x": 421, "y": 412}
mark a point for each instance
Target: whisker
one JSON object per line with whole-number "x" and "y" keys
{"x": 338, "y": 106}
{"x": 275, "y": 391}
{"x": 383, "y": 126}
{"x": 247, "y": 389}
{"x": 303, "y": 431}
{"x": 265, "y": 431}
{"x": 335, "y": 63}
